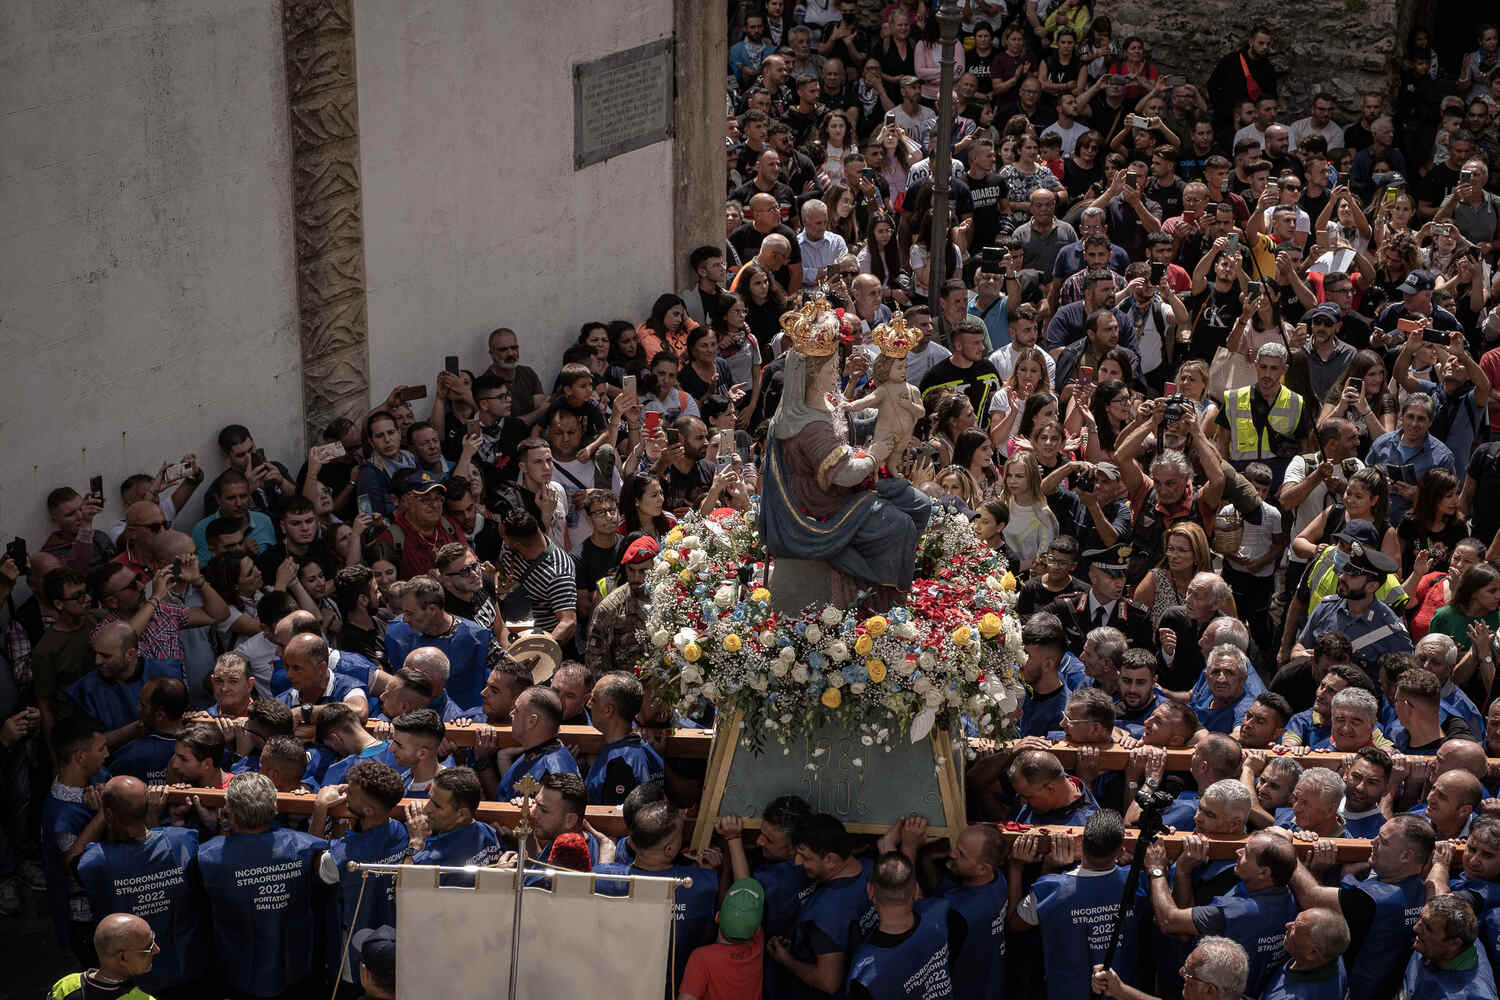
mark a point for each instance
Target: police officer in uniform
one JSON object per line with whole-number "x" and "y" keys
{"x": 1372, "y": 627}
{"x": 1104, "y": 603}
{"x": 1321, "y": 579}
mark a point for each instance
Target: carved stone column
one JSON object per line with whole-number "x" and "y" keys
{"x": 328, "y": 214}
{"x": 702, "y": 52}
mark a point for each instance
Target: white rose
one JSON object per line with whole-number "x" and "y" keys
{"x": 691, "y": 542}
{"x": 814, "y": 635}
{"x": 660, "y": 638}
{"x": 933, "y": 698}
{"x": 787, "y": 654}
{"x": 698, "y": 559}
{"x": 759, "y": 683}
{"x": 779, "y": 668}
{"x": 857, "y": 688}
{"x": 799, "y": 674}
{"x": 711, "y": 692}
{"x": 724, "y": 597}
{"x": 691, "y": 675}
{"x": 832, "y": 616}
{"x": 909, "y": 630}
{"x": 922, "y": 685}
{"x": 768, "y": 638}
{"x": 834, "y": 678}
{"x": 839, "y": 651}
{"x": 904, "y": 667}
{"x": 926, "y": 661}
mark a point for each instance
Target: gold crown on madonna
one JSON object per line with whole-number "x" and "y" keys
{"x": 813, "y": 329}
{"x": 895, "y": 339}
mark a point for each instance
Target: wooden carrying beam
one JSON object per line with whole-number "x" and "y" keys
{"x": 587, "y": 739}
{"x": 609, "y": 821}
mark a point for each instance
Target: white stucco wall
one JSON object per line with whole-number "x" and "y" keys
{"x": 147, "y": 294}
{"x": 474, "y": 216}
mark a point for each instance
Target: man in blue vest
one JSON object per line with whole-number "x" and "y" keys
{"x": 1216, "y": 968}
{"x": 371, "y": 791}
{"x": 1226, "y": 673}
{"x": 1381, "y": 908}
{"x": 338, "y": 728}
{"x": 1267, "y": 422}
{"x": 416, "y": 746}
{"x": 264, "y": 895}
{"x": 151, "y": 873}
{"x": 1138, "y": 696}
{"x": 164, "y": 700}
{"x": 1216, "y": 758}
{"x": 1044, "y": 644}
{"x": 110, "y": 694}
{"x": 534, "y": 722}
{"x": 1049, "y": 796}
{"x": 656, "y": 835}
{"x": 1480, "y": 875}
{"x": 625, "y": 760}
{"x": 1314, "y": 970}
{"x": 1366, "y": 780}
{"x": 314, "y": 683}
{"x": 910, "y": 951}
{"x": 445, "y": 831}
{"x": 560, "y": 807}
{"x": 433, "y": 664}
{"x": 427, "y": 623}
{"x": 1316, "y": 799}
{"x": 1448, "y": 963}
{"x": 981, "y": 896}
{"x": 1075, "y": 909}
{"x": 1253, "y": 913}
{"x": 837, "y": 916}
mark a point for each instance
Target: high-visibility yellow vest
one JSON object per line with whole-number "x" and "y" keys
{"x": 1248, "y": 443}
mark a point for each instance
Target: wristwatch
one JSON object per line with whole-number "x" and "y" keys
{"x": 1158, "y": 873}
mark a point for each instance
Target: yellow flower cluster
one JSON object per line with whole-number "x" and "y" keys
{"x": 990, "y": 625}
{"x": 876, "y": 625}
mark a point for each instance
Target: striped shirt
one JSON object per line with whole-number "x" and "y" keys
{"x": 548, "y": 581}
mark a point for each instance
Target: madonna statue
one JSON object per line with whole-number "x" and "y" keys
{"x": 823, "y": 500}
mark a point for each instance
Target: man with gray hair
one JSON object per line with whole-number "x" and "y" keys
{"x": 820, "y": 248}
{"x": 1438, "y": 654}
{"x": 1315, "y": 805}
{"x": 1229, "y": 700}
{"x": 1448, "y": 962}
{"x": 1217, "y": 962}
{"x": 259, "y": 881}
{"x": 1182, "y": 637}
{"x": 1267, "y": 422}
{"x": 1410, "y": 443}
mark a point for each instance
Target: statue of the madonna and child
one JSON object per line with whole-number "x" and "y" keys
{"x": 825, "y": 500}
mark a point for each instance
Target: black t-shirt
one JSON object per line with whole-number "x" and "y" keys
{"x": 979, "y": 382}
{"x": 594, "y": 563}
{"x": 746, "y": 241}
{"x": 1484, "y": 469}
{"x": 1077, "y": 179}
{"x": 366, "y": 642}
{"x": 482, "y": 610}
{"x": 1035, "y": 595}
{"x": 1439, "y": 543}
{"x": 319, "y": 552}
{"x": 1104, "y": 119}
{"x": 979, "y": 66}
{"x": 1213, "y": 313}
{"x": 984, "y": 195}
{"x": 784, "y": 195}
{"x": 687, "y": 489}
{"x": 1168, "y": 195}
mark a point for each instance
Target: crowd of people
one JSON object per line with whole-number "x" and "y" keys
{"x": 1215, "y": 378}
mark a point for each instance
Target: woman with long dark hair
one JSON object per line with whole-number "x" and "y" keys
{"x": 1361, "y": 396}
{"x": 642, "y": 500}
{"x": 385, "y": 458}
{"x": 1473, "y": 611}
{"x": 1110, "y": 409}
{"x": 882, "y": 255}
{"x": 702, "y": 370}
{"x": 625, "y": 347}
{"x": 1433, "y": 526}
{"x": 953, "y": 416}
{"x": 974, "y": 453}
{"x": 763, "y": 307}
{"x": 667, "y": 327}
{"x": 1367, "y": 497}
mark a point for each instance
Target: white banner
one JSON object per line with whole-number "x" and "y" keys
{"x": 455, "y": 941}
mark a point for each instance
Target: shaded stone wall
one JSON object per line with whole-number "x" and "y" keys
{"x": 1346, "y": 47}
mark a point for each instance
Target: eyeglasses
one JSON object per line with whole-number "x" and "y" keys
{"x": 472, "y": 569}
{"x": 1185, "y": 974}
{"x": 82, "y": 595}
{"x": 141, "y": 951}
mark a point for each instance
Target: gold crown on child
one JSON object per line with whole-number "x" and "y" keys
{"x": 813, "y": 329}
{"x": 895, "y": 339}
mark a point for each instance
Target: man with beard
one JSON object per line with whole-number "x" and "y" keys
{"x": 1366, "y": 780}
{"x": 979, "y": 892}
{"x": 1372, "y": 627}
{"x": 465, "y": 594}
{"x": 614, "y": 639}
{"x": 1138, "y": 697}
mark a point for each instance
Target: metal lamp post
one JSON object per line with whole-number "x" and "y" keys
{"x": 949, "y": 20}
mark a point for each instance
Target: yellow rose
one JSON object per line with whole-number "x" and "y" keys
{"x": 876, "y": 669}
{"x": 863, "y": 645}
{"x": 674, "y": 536}
{"x": 1008, "y": 581}
{"x": 686, "y": 576}
{"x": 962, "y": 635}
{"x": 732, "y": 643}
{"x": 760, "y": 594}
{"x": 876, "y": 625}
{"x": 671, "y": 557}
{"x": 692, "y": 652}
{"x": 831, "y": 698}
{"x": 990, "y": 625}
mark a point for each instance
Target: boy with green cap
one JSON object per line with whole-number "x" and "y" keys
{"x": 732, "y": 967}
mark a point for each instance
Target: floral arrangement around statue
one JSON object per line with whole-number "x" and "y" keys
{"x": 946, "y": 658}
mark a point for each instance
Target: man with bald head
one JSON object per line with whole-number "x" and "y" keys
{"x": 765, "y": 216}
{"x": 433, "y": 664}
{"x": 1315, "y": 943}
{"x": 127, "y": 947}
{"x": 144, "y": 520}
{"x": 534, "y": 723}
{"x": 110, "y": 693}
{"x": 1451, "y": 803}
{"x": 314, "y": 683}
{"x": 131, "y": 867}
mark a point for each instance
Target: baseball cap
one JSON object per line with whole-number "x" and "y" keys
{"x": 376, "y": 947}
{"x": 740, "y": 913}
{"x": 416, "y": 481}
{"x": 1416, "y": 282}
{"x": 1325, "y": 310}
{"x": 1359, "y": 530}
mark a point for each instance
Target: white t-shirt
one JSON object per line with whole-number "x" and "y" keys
{"x": 1256, "y": 541}
{"x": 1004, "y": 360}
{"x": 1298, "y": 470}
{"x": 1069, "y": 136}
{"x": 1303, "y": 127}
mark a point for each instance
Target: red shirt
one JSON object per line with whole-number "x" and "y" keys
{"x": 725, "y": 971}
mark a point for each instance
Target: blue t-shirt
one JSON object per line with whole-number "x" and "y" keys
{"x": 63, "y": 818}
{"x": 620, "y": 767}
{"x": 466, "y": 645}
{"x": 265, "y": 897}
{"x": 546, "y": 758}
{"x": 261, "y": 529}
{"x": 386, "y": 844}
{"x": 157, "y": 880}
{"x": 108, "y": 703}
{"x": 380, "y": 753}
{"x": 145, "y": 758}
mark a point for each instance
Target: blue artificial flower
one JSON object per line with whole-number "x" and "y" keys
{"x": 816, "y": 660}
{"x": 739, "y": 613}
